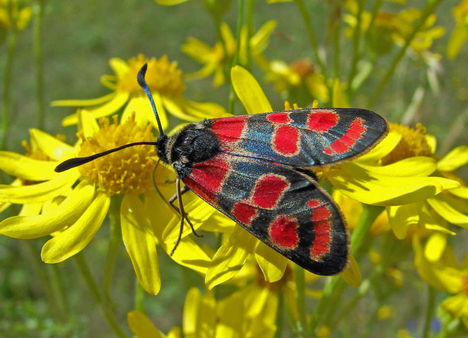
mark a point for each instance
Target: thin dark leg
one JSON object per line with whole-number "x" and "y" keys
{"x": 182, "y": 216}
{"x": 172, "y": 199}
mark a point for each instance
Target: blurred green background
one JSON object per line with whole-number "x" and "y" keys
{"x": 79, "y": 39}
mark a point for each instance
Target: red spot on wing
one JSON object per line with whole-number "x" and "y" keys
{"x": 322, "y": 120}
{"x": 321, "y": 244}
{"x": 286, "y": 140}
{"x": 244, "y": 212}
{"x": 229, "y": 129}
{"x": 319, "y": 212}
{"x": 281, "y": 117}
{"x": 348, "y": 139}
{"x": 283, "y": 232}
{"x": 268, "y": 190}
{"x": 207, "y": 177}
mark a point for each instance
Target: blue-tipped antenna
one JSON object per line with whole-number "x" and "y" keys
{"x": 144, "y": 86}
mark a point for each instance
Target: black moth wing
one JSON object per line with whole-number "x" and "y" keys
{"x": 302, "y": 137}
{"x": 283, "y": 207}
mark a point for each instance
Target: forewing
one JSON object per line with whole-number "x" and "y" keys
{"x": 301, "y": 137}
{"x": 284, "y": 208}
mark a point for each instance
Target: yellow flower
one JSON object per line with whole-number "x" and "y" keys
{"x": 73, "y": 214}
{"x": 389, "y": 27}
{"x": 446, "y": 274}
{"x": 216, "y": 59}
{"x": 460, "y": 34}
{"x": 434, "y": 212}
{"x": 165, "y": 82}
{"x": 299, "y": 80}
{"x": 13, "y": 15}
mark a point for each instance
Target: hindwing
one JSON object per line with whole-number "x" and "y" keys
{"x": 301, "y": 137}
{"x": 283, "y": 207}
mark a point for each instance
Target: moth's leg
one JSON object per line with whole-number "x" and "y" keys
{"x": 181, "y": 211}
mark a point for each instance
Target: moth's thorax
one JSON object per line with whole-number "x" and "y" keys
{"x": 193, "y": 144}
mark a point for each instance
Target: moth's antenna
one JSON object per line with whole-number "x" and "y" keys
{"x": 77, "y": 161}
{"x": 144, "y": 86}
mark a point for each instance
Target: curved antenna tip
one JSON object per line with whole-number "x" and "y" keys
{"x": 141, "y": 75}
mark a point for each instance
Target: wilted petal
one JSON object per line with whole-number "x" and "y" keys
{"x": 249, "y": 91}
{"x": 140, "y": 244}
{"x": 141, "y": 326}
{"x": 270, "y": 262}
{"x": 53, "y": 220}
{"x": 76, "y": 238}
{"x": 230, "y": 257}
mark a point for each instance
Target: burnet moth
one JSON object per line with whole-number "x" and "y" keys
{"x": 255, "y": 169}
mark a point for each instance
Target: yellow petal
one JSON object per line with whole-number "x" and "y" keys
{"x": 441, "y": 205}
{"x": 39, "y": 192}
{"x": 119, "y": 66}
{"x": 454, "y": 159}
{"x": 457, "y": 39}
{"x": 82, "y": 103}
{"x": 108, "y": 108}
{"x": 412, "y": 166}
{"x": 371, "y": 188}
{"x": 87, "y": 123}
{"x": 199, "y": 314}
{"x": 402, "y": 217}
{"x": 461, "y": 192}
{"x": 169, "y": 2}
{"x": 197, "y": 49}
{"x": 30, "y": 209}
{"x": 205, "y": 109}
{"x": 49, "y": 145}
{"x": 457, "y": 305}
{"x": 176, "y": 108}
{"x": 55, "y": 219}
{"x": 382, "y": 149}
{"x": 189, "y": 254}
{"x": 76, "y": 238}
{"x": 230, "y": 257}
{"x": 140, "y": 243}
{"x": 352, "y": 274}
{"x": 25, "y": 167}
{"x": 249, "y": 91}
{"x": 259, "y": 41}
{"x": 141, "y": 326}
{"x": 140, "y": 107}
{"x": 270, "y": 262}
{"x": 435, "y": 246}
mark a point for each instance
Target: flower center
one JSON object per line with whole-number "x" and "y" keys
{"x": 161, "y": 76}
{"x": 412, "y": 143}
{"x": 127, "y": 170}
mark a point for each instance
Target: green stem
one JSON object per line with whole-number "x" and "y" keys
{"x": 330, "y": 286}
{"x": 6, "y": 95}
{"x": 38, "y": 58}
{"x": 430, "y": 311}
{"x": 356, "y": 39}
{"x": 311, "y": 34}
{"x": 280, "y": 315}
{"x": 368, "y": 215}
{"x": 57, "y": 281}
{"x": 249, "y": 26}
{"x": 94, "y": 290}
{"x": 301, "y": 325}
{"x": 114, "y": 246}
{"x": 336, "y": 46}
{"x": 139, "y": 297}
{"x": 235, "y": 61}
{"x": 430, "y": 8}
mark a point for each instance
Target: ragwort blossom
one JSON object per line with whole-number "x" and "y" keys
{"x": 71, "y": 206}
{"x": 14, "y": 15}
{"x": 215, "y": 59}
{"x": 167, "y": 87}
